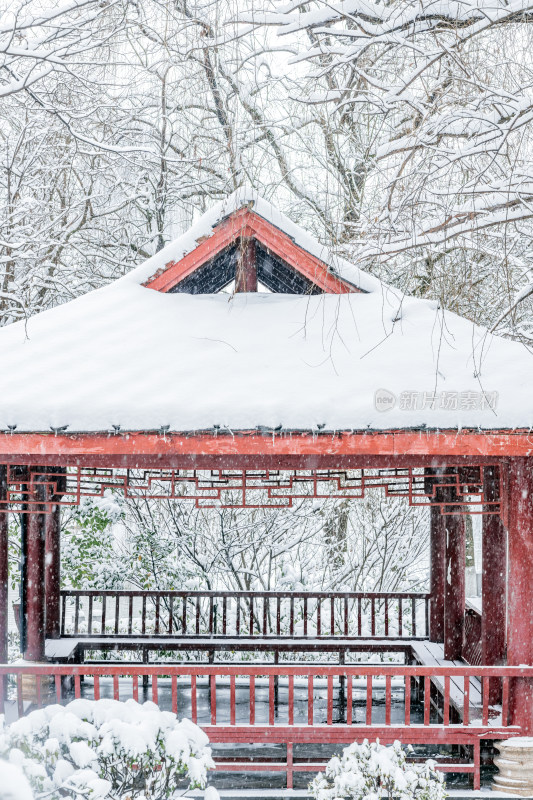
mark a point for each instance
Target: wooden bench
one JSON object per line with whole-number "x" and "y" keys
{"x": 432, "y": 654}
{"x": 73, "y": 648}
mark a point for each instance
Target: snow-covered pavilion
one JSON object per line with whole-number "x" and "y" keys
{"x": 307, "y": 374}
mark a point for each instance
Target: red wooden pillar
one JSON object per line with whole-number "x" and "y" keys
{"x": 494, "y": 582}
{"x": 52, "y": 558}
{"x": 520, "y": 588}
{"x": 454, "y": 591}
{"x": 52, "y": 572}
{"x": 4, "y": 573}
{"x": 246, "y": 274}
{"x": 437, "y": 558}
{"x": 34, "y": 574}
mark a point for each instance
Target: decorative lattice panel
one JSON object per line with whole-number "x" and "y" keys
{"x": 456, "y": 490}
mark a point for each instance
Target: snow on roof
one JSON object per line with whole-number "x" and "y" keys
{"x": 131, "y": 356}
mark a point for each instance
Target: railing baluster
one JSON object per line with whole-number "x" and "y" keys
{"x": 184, "y": 615}
{"x": 349, "y": 699}
{"x": 143, "y": 615}
{"x": 388, "y": 699}
{"x": 505, "y": 701}
{"x": 426, "y": 612}
{"x": 170, "y": 613}
{"x": 197, "y": 628}
{"x": 278, "y": 616}
{"x": 359, "y": 617}
{"x": 310, "y": 700}
{"x": 224, "y": 614}
{"x": 400, "y": 617}
{"x": 290, "y": 699}
{"x": 155, "y": 696}
{"x": 76, "y": 614}
{"x": 238, "y": 616}
{"x": 251, "y": 615}
{"x": 194, "y": 703}
{"x": 485, "y": 698}
{"x": 332, "y": 616}
{"x": 373, "y": 616}
{"x": 466, "y": 701}
{"x": 318, "y": 616}
{"x": 102, "y": 623}
{"x": 427, "y": 698}
{"x": 157, "y": 604}
{"x": 386, "y": 616}
{"x": 446, "y": 712}
{"x": 346, "y": 616}
{"x": 117, "y": 612}
{"x": 174, "y": 691}
{"x": 413, "y": 615}
{"x": 407, "y": 699}
{"x": 63, "y": 613}
{"x": 90, "y": 616}
{"x": 265, "y": 616}
{"x": 232, "y": 700}
{"x": 330, "y": 700}
{"x": 211, "y": 615}
{"x": 252, "y": 699}
{"x": 305, "y": 616}
{"x": 130, "y": 614}
{"x": 369, "y": 699}
{"x": 291, "y": 622}
{"x": 213, "y": 698}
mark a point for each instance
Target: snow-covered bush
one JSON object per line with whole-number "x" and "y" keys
{"x": 107, "y": 749}
{"x": 370, "y": 771}
{"x": 14, "y": 784}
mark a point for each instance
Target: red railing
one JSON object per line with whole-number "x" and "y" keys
{"x": 289, "y": 704}
{"x": 472, "y": 637}
{"x": 252, "y": 614}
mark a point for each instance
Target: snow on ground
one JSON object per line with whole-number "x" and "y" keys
{"x": 131, "y": 356}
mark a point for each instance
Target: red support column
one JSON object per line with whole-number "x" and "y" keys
{"x": 454, "y": 592}
{"x": 437, "y": 557}
{"x": 520, "y": 589}
{"x": 52, "y": 572}
{"x": 52, "y": 559}
{"x": 494, "y": 582}
{"x": 4, "y": 572}
{"x": 34, "y": 589}
{"x": 246, "y": 274}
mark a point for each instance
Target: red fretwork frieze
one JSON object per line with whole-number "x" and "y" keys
{"x": 454, "y": 490}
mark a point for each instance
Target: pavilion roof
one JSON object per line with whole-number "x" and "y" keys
{"x": 126, "y": 355}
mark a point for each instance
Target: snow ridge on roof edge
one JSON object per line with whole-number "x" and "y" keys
{"x": 247, "y": 196}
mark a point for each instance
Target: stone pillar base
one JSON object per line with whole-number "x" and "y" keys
{"x": 515, "y": 764}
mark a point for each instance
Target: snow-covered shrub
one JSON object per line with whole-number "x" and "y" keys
{"x": 370, "y": 771}
{"x": 14, "y": 785}
{"x": 107, "y": 749}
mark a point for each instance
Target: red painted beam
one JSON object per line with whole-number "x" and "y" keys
{"x": 248, "y": 448}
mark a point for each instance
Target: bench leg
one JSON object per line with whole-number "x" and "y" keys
{"x": 477, "y": 765}
{"x": 342, "y": 690}
{"x": 146, "y": 660}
